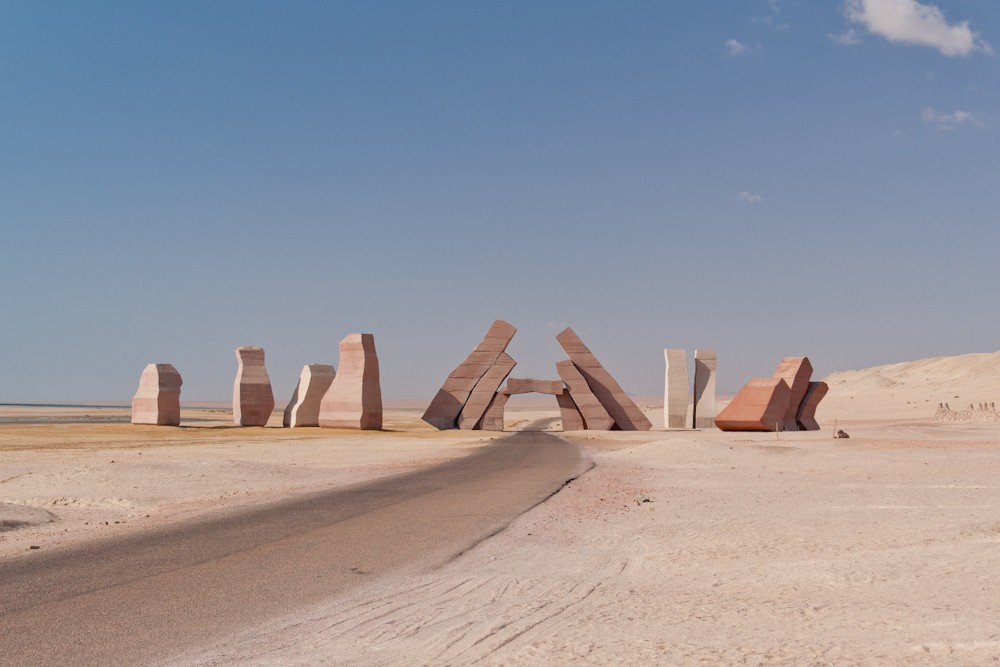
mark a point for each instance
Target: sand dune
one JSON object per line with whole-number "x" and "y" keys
{"x": 912, "y": 389}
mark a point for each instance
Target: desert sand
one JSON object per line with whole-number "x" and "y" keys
{"x": 678, "y": 547}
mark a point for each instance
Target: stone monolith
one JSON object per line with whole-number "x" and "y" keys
{"x": 795, "y": 371}
{"x": 704, "y": 389}
{"x": 253, "y": 400}
{"x": 595, "y": 417}
{"x": 482, "y": 394}
{"x": 158, "y": 399}
{"x": 759, "y": 406}
{"x": 675, "y": 388}
{"x": 531, "y": 385}
{"x": 493, "y": 417}
{"x": 627, "y": 415}
{"x": 572, "y": 419}
{"x": 806, "y": 416}
{"x": 444, "y": 410}
{"x": 303, "y": 409}
{"x": 354, "y": 399}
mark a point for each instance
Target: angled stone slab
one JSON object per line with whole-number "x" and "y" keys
{"x": 354, "y": 399}
{"x": 303, "y": 409}
{"x": 759, "y": 406}
{"x": 627, "y": 415}
{"x": 158, "y": 399}
{"x": 572, "y": 420}
{"x": 444, "y": 410}
{"x": 253, "y": 399}
{"x": 795, "y": 371}
{"x": 675, "y": 388}
{"x": 806, "y": 416}
{"x": 530, "y": 385}
{"x": 595, "y": 417}
{"x": 704, "y": 389}
{"x": 483, "y": 393}
{"x": 493, "y": 417}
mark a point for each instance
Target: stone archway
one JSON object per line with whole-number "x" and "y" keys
{"x": 590, "y": 396}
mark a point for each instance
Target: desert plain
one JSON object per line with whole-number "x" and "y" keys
{"x": 677, "y": 547}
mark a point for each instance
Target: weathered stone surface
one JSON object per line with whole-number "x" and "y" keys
{"x": 675, "y": 388}
{"x": 795, "y": 371}
{"x": 704, "y": 389}
{"x": 595, "y": 417}
{"x": 493, "y": 417}
{"x": 530, "y": 385}
{"x": 806, "y": 416}
{"x": 481, "y": 396}
{"x": 253, "y": 400}
{"x": 572, "y": 420}
{"x": 303, "y": 409}
{"x": 760, "y": 406}
{"x": 354, "y": 399}
{"x": 627, "y": 415}
{"x": 444, "y": 410}
{"x": 158, "y": 399}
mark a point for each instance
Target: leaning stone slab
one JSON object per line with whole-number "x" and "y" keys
{"x": 627, "y": 415}
{"x": 572, "y": 420}
{"x": 354, "y": 399}
{"x": 704, "y": 389}
{"x": 158, "y": 399}
{"x": 493, "y": 417}
{"x": 759, "y": 406}
{"x": 675, "y": 388}
{"x": 595, "y": 417}
{"x": 253, "y": 400}
{"x": 481, "y": 396}
{"x": 444, "y": 410}
{"x": 795, "y": 371}
{"x": 530, "y": 385}
{"x": 807, "y": 409}
{"x": 303, "y": 409}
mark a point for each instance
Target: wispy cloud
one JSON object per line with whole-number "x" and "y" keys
{"x": 949, "y": 121}
{"x": 911, "y": 22}
{"x": 771, "y": 20}
{"x": 849, "y": 37}
{"x": 749, "y": 198}
{"x": 735, "y": 48}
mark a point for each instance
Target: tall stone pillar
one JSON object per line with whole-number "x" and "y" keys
{"x": 704, "y": 389}
{"x": 675, "y": 388}
{"x": 158, "y": 399}
{"x": 354, "y": 400}
{"x": 253, "y": 400}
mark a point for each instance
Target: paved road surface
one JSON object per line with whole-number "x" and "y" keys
{"x": 145, "y": 597}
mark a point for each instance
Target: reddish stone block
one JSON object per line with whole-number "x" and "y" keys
{"x": 253, "y": 400}
{"x": 807, "y": 409}
{"x": 530, "y": 385}
{"x": 354, "y": 399}
{"x": 759, "y": 406}
{"x": 595, "y": 417}
{"x": 303, "y": 409}
{"x": 795, "y": 371}
{"x": 572, "y": 419}
{"x": 493, "y": 417}
{"x": 483, "y": 393}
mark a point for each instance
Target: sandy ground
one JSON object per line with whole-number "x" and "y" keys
{"x": 679, "y": 547}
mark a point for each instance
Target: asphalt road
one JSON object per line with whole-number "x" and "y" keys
{"x": 147, "y": 596}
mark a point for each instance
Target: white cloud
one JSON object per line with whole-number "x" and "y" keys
{"x": 911, "y": 22}
{"x": 950, "y": 121}
{"x": 736, "y": 48}
{"x": 848, "y": 38}
{"x": 771, "y": 20}
{"x": 749, "y": 198}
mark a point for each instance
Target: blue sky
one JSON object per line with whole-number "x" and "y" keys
{"x": 768, "y": 178}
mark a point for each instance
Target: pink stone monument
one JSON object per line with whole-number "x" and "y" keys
{"x": 158, "y": 399}
{"x": 595, "y": 417}
{"x": 806, "y": 416}
{"x": 253, "y": 400}
{"x": 303, "y": 409}
{"x": 572, "y": 419}
{"x": 484, "y": 390}
{"x": 444, "y": 410}
{"x": 759, "y": 406}
{"x": 354, "y": 399}
{"x": 627, "y": 415}
{"x": 493, "y": 417}
{"x": 795, "y": 371}
{"x": 704, "y": 388}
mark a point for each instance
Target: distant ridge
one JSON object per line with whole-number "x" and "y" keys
{"x": 913, "y": 388}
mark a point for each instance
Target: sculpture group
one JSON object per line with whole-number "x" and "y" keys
{"x": 786, "y": 401}
{"x": 351, "y": 399}
{"x": 588, "y": 396}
